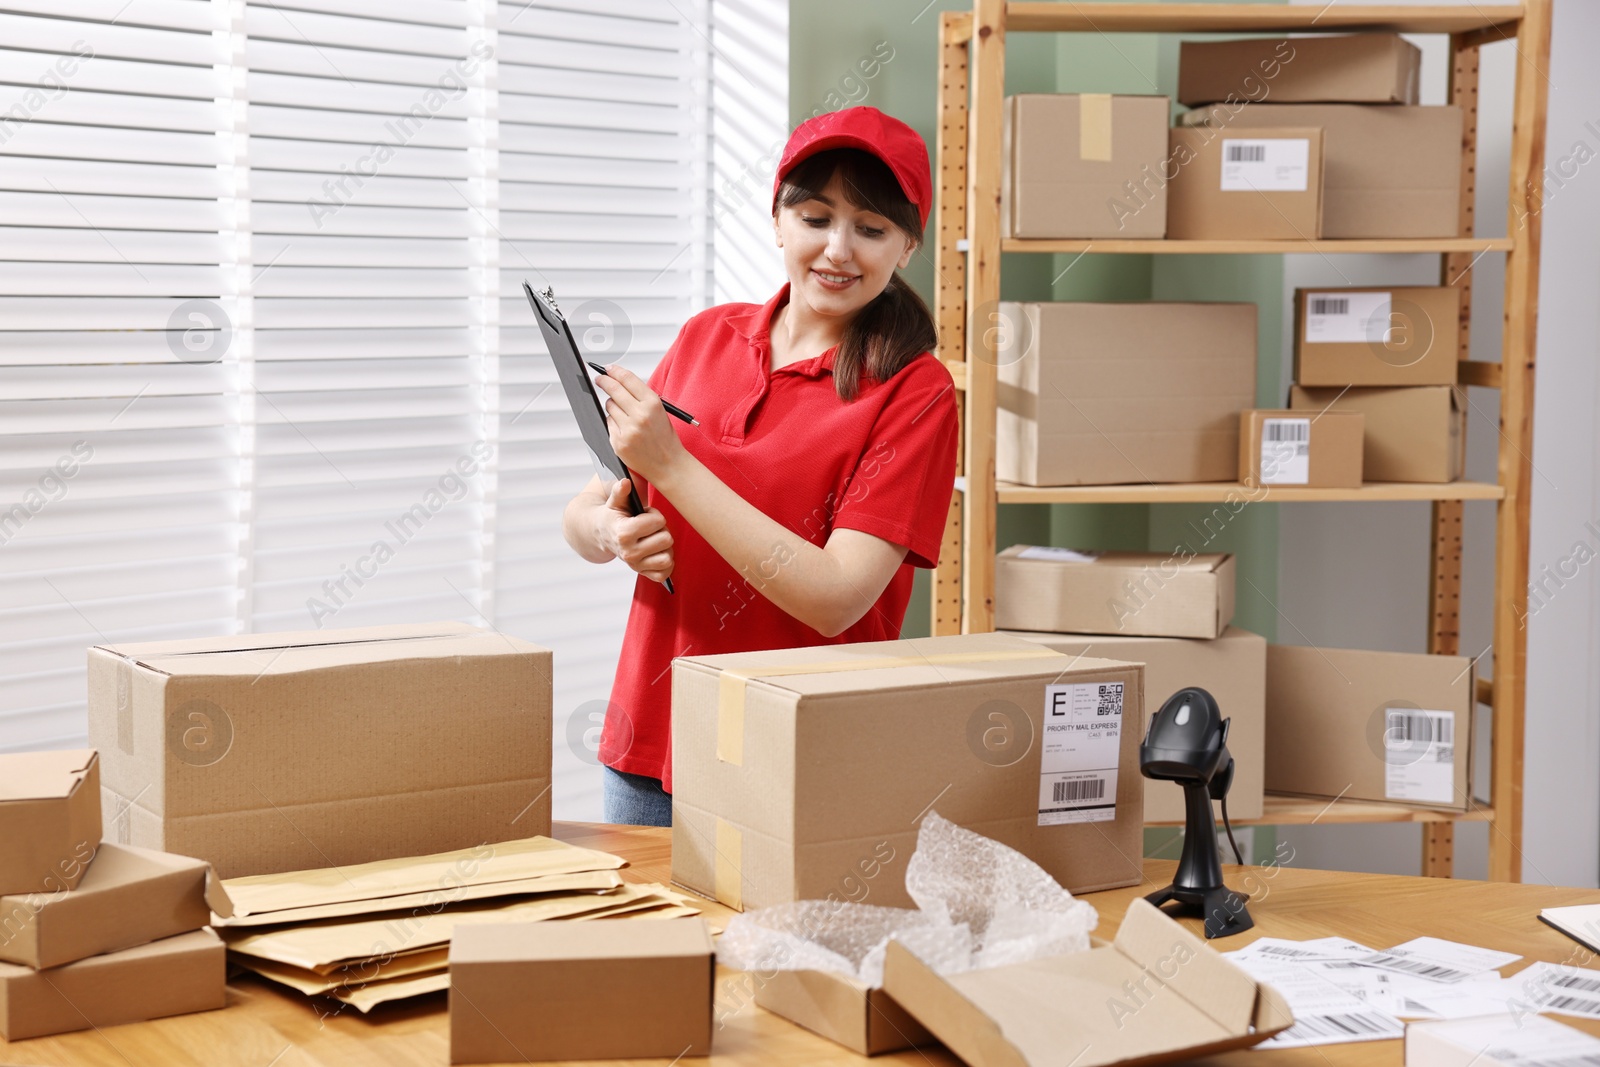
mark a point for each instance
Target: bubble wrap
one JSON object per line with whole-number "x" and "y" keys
{"x": 979, "y": 904}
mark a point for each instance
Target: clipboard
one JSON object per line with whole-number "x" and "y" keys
{"x": 587, "y": 407}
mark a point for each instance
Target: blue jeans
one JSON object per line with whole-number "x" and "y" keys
{"x": 635, "y": 799}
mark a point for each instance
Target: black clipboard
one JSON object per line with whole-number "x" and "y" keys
{"x": 587, "y": 407}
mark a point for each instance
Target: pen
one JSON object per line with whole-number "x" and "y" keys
{"x": 672, "y": 409}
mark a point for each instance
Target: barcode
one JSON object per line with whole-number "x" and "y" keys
{"x": 1247, "y": 153}
{"x": 1573, "y": 981}
{"x": 1417, "y": 967}
{"x": 1330, "y": 305}
{"x": 1287, "y": 430}
{"x": 1078, "y": 789}
{"x": 1278, "y": 950}
{"x": 1429, "y": 729}
{"x": 1573, "y": 1004}
{"x": 1350, "y": 1024}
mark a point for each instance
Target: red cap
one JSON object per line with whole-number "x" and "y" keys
{"x": 899, "y": 146}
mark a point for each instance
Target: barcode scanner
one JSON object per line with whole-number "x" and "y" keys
{"x": 1187, "y": 743}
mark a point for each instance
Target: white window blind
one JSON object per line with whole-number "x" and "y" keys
{"x": 266, "y": 361}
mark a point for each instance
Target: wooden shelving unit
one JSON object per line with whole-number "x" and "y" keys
{"x": 967, "y": 261}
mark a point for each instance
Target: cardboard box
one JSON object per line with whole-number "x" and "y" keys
{"x": 1232, "y": 668}
{"x": 129, "y": 896}
{"x": 1357, "y": 68}
{"x": 173, "y": 976}
{"x": 1316, "y": 450}
{"x": 278, "y": 752}
{"x": 1255, "y": 184}
{"x": 1383, "y": 726}
{"x": 1413, "y": 433}
{"x": 1391, "y": 171}
{"x": 1015, "y": 1015}
{"x": 49, "y": 819}
{"x": 1109, "y": 394}
{"x": 602, "y": 990}
{"x": 1084, "y": 165}
{"x": 1396, "y": 335}
{"x": 842, "y": 1009}
{"x": 803, "y": 773}
{"x": 1151, "y": 594}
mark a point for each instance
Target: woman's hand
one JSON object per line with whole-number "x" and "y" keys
{"x": 638, "y": 425}
{"x": 641, "y": 541}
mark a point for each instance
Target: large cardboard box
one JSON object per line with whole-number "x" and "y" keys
{"x": 49, "y": 819}
{"x": 1254, "y": 184}
{"x": 1157, "y": 994}
{"x": 1395, "y": 335}
{"x": 279, "y": 752}
{"x": 1152, "y": 594}
{"x": 129, "y": 896}
{"x": 533, "y": 992}
{"x": 1413, "y": 433}
{"x": 1232, "y": 668}
{"x": 803, "y": 773}
{"x": 173, "y": 976}
{"x": 1084, "y": 165}
{"x": 1384, "y": 726}
{"x": 1107, "y": 394}
{"x": 1391, "y": 171}
{"x": 842, "y": 1009}
{"x": 1357, "y": 68}
{"x": 1321, "y": 451}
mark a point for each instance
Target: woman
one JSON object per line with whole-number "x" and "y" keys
{"x": 822, "y": 468}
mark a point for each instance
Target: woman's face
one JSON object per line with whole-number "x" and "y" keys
{"x": 838, "y": 256}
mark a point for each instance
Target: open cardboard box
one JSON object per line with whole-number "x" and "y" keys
{"x": 49, "y": 819}
{"x": 1156, "y": 994}
{"x": 843, "y": 1009}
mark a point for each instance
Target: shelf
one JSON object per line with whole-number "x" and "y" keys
{"x": 1470, "y": 245}
{"x": 1223, "y": 492}
{"x": 1254, "y": 18}
{"x": 1280, "y": 810}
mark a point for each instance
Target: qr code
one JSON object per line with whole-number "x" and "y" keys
{"x": 1110, "y": 702}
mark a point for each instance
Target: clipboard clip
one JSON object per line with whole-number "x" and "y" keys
{"x": 549, "y": 294}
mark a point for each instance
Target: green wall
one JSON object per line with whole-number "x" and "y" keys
{"x": 827, "y": 40}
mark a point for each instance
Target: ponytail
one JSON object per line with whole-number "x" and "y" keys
{"x": 896, "y": 327}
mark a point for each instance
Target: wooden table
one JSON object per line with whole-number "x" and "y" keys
{"x": 265, "y": 1025}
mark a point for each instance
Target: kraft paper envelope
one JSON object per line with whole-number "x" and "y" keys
{"x": 440, "y": 874}
{"x": 365, "y": 998}
{"x": 334, "y": 943}
{"x": 549, "y": 883}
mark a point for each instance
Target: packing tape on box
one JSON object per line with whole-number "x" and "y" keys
{"x": 1094, "y": 126}
{"x": 731, "y": 685}
{"x": 726, "y": 882}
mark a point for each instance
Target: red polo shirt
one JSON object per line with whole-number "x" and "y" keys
{"x": 883, "y": 464}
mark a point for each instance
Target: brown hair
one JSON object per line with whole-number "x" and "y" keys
{"x": 896, "y": 326}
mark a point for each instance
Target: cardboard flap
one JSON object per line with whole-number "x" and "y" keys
{"x": 1218, "y": 987}
{"x": 963, "y": 1027}
{"x": 44, "y": 775}
{"x": 217, "y": 898}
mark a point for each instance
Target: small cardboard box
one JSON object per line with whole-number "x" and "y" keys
{"x": 49, "y": 819}
{"x": 1149, "y": 594}
{"x": 1084, "y": 165}
{"x": 803, "y": 773}
{"x": 263, "y": 753}
{"x": 129, "y": 896}
{"x": 842, "y": 1009}
{"x": 1317, "y": 450}
{"x": 1413, "y": 433}
{"x": 533, "y": 992}
{"x": 173, "y": 976}
{"x": 1392, "y": 171}
{"x": 1383, "y": 726}
{"x": 1399, "y": 335}
{"x": 1110, "y": 394}
{"x": 1255, "y": 184}
{"x": 1157, "y": 994}
{"x": 1357, "y": 68}
{"x": 1232, "y": 668}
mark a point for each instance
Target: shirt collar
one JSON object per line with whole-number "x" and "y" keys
{"x": 755, "y": 326}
